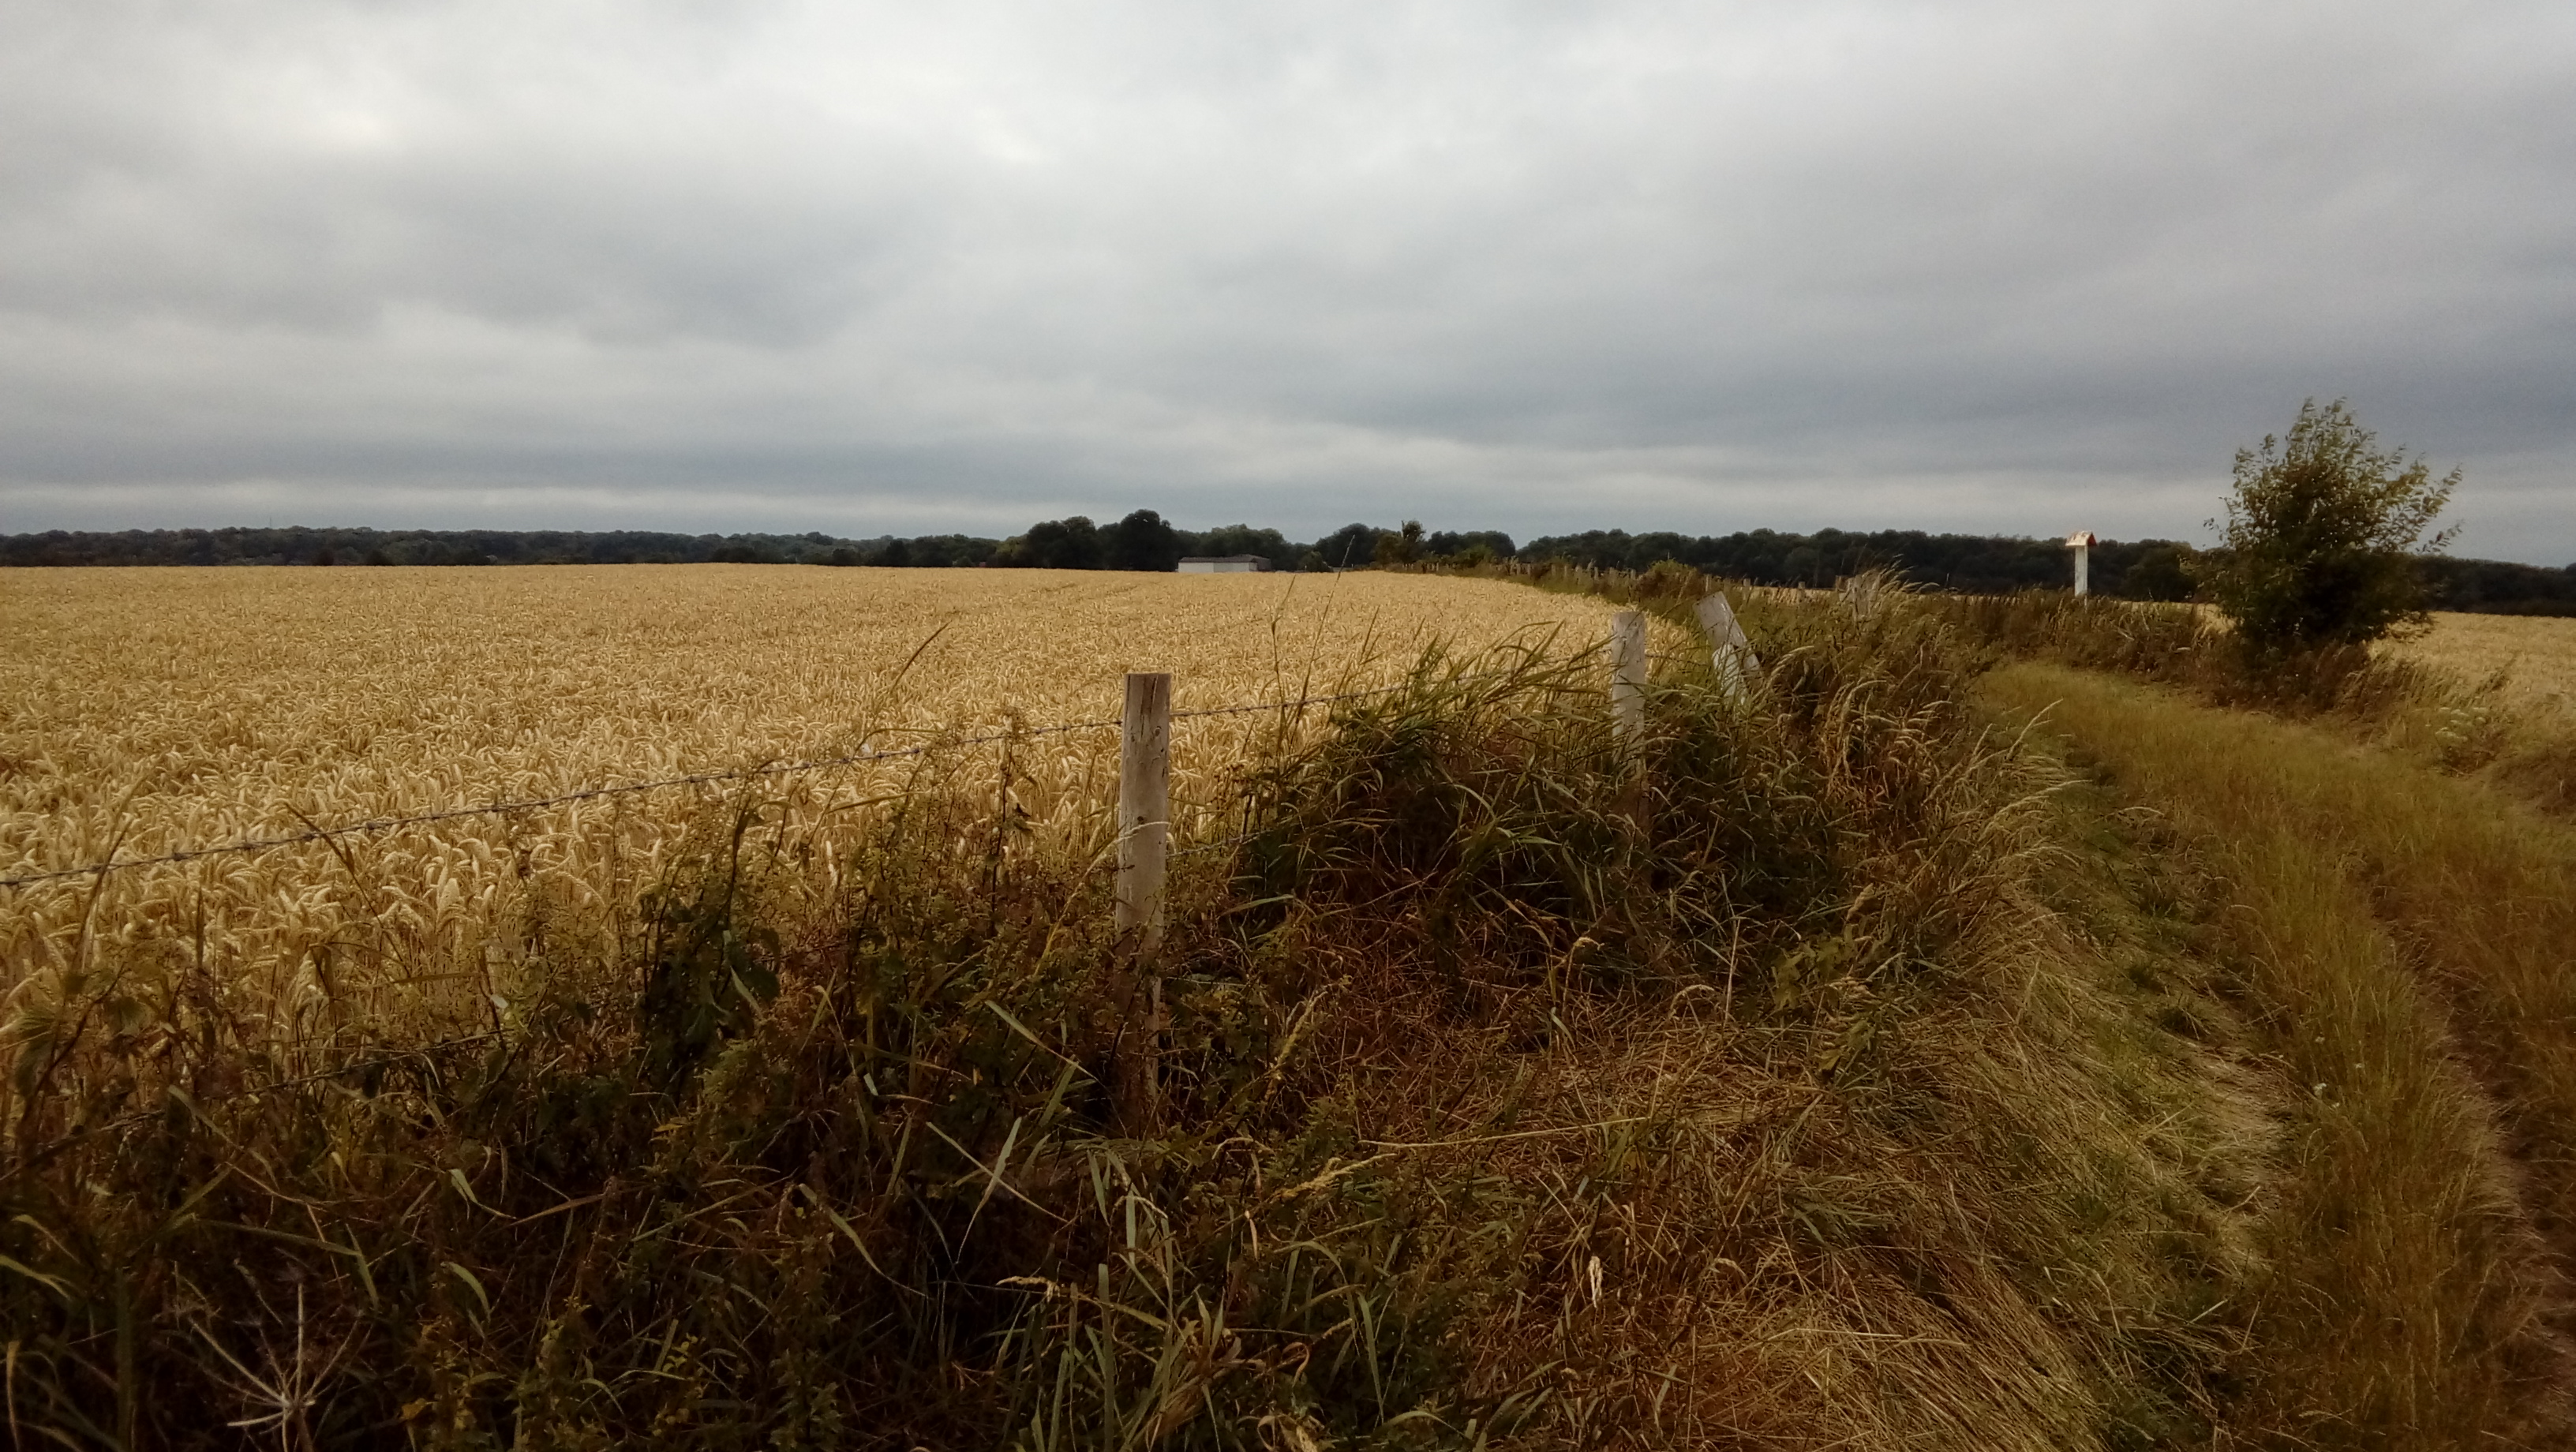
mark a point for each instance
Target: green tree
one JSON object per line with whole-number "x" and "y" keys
{"x": 1141, "y": 541}
{"x": 2322, "y": 536}
{"x": 1351, "y": 546}
{"x": 1243, "y": 539}
{"x": 1403, "y": 547}
{"x": 2162, "y": 572}
{"x": 1070, "y": 543}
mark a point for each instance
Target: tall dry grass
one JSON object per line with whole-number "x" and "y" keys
{"x": 1799, "y": 1120}
{"x": 2403, "y": 940}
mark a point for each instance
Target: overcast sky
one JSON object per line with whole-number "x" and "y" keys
{"x": 2011, "y": 267}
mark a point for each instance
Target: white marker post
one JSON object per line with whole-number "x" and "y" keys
{"x": 2082, "y": 543}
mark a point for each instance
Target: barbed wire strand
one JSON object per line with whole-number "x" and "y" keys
{"x": 428, "y": 1051}
{"x": 387, "y": 824}
{"x": 1324, "y": 700}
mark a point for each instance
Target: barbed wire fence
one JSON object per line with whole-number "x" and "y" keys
{"x": 1628, "y": 660}
{"x": 375, "y": 825}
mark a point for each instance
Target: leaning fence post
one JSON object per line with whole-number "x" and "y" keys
{"x": 1731, "y": 650}
{"x": 1729, "y": 647}
{"x": 1144, "y": 834}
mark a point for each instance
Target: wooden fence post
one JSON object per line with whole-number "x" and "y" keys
{"x": 1144, "y": 835}
{"x": 1144, "y": 808}
{"x": 1628, "y": 676}
{"x": 1628, "y": 713}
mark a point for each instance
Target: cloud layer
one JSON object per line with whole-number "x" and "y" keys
{"x": 709, "y": 265}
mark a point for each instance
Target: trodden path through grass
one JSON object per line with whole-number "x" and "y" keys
{"x": 2405, "y": 944}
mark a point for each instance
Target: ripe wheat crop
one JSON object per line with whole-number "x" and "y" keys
{"x": 2534, "y": 657}
{"x": 152, "y": 711}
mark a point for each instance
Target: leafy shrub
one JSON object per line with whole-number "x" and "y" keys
{"x": 2321, "y": 537}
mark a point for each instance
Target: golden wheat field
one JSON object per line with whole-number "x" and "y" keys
{"x": 152, "y": 711}
{"x": 2534, "y": 656}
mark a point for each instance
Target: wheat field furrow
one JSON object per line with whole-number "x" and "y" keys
{"x": 148, "y": 712}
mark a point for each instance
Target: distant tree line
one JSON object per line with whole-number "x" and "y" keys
{"x": 304, "y": 546}
{"x": 2500, "y": 587}
{"x": 1144, "y": 540}
{"x": 1967, "y": 563}
{"x": 1993, "y": 565}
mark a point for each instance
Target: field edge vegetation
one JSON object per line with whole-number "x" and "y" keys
{"x": 1820, "y": 1110}
{"x": 2398, "y": 941}
{"x": 2401, "y": 701}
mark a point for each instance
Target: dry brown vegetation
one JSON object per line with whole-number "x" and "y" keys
{"x": 2403, "y": 941}
{"x": 1810, "y": 1117}
{"x": 1878, "y": 1085}
{"x": 2401, "y": 916}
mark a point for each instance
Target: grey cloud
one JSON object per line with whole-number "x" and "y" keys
{"x": 1987, "y": 266}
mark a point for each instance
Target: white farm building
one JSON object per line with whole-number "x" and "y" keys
{"x": 1223, "y": 564}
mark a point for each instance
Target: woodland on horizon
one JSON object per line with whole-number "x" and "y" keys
{"x": 1143, "y": 540}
